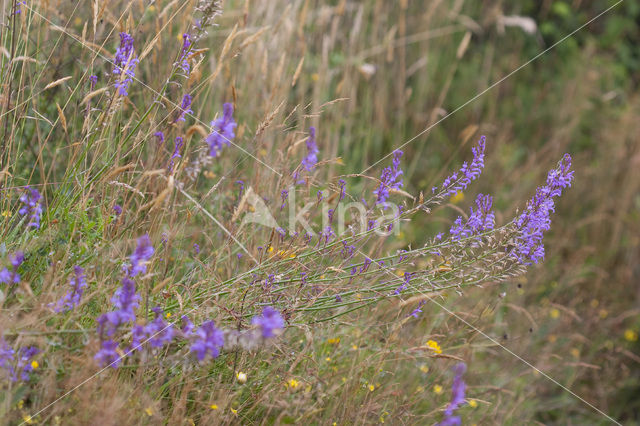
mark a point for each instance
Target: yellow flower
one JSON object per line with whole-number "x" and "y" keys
{"x": 213, "y": 406}
{"x": 437, "y": 389}
{"x": 34, "y": 364}
{"x": 575, "y": 352}
{"x": 242, "y": 377}
{"x": 328, "y": 359}
{"x": 270, "y": 249}
{"x": 149, "y": 411}
{"x": 354, "y": 347}
{"x": 473, "y": 403}
{"x": 554, "y": 313}
{"x": 234, "y": 411}
{"x": 434, "y": 346}
{"x": 27, "y": 419}
{"x": 457, "y": 197}
{"x": 419, "y": 389}
{"x": 293, "y": 383}
{"x": 334, "y": 341}
{"x": 6, "y": 213}
{"x": 424, "y": 368}
{"x": 372, "y": 388}
{"x": 168, "y": 315}
{"x": 630, "y": 335}
{"x": 603, "y": 313}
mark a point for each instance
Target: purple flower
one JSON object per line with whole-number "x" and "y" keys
{"x": 417, "y": 310}
{"x": 125, "y": 63}
{"x": 223, "y": 131}
{"x": 12, "y": 277}
{"x": 270, "y": 321}
{"x": 283, "y": 197}
{"x": 535, "y": 219}
{"x": 310, "y": 161}
{"x": 72, "y": 298}
{"x": 158, "y": 331}
{"x": 107, "y": 355}
{"x": 407, "y": 280}
{"x": 176, "y": 152}
{"x": 391, "y": 178}
{"x": 125, "y": 300}
{"x": 184, "y": 108}
{"x": 459, "y": 180}
{"x": 209, "y": 340}
{"x": 183, "y": 61}
{"x": 160, "y": 137}
{"x": 187, "y": 325}
{"x": 31, "y": 207}
{"x": 457, "y": 397}
{"x": 482, "y": 219}
{"x": 24, "y": 362}
{"x": 141, "y": 256}
{"x": 6, "y": 356}
{"x": 342, "y": 184}
{"x": 93, "y": 81}
{"x": 117, "y": 209}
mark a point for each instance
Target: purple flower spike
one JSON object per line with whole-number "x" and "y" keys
{"x": 160, "y": 136}
{"x": 125, "y": 63}
{"x": 183, "y": 62}
{"x": 309, "y": 162}
{"x": 31, "y": 207}
{"x": 184, "y": 107}
{"x": 535, "y": 219}
{"x": 270, "y": 322}
{"x": 12, "y": 277}
{"x": 141, "y": 256}
{"x": 461, "y": 179}
{"x": 457, "y": 397}
{"x": 391, "y": 178}
{"x": 223, "y": 131}
{"x": 208, "y": 341}
{"x": 107, "y": 355}
{"x": 73, "y": 296}
{"x": 482, "y": 219}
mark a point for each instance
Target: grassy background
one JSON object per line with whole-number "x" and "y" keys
{"x": 370, "y": 75}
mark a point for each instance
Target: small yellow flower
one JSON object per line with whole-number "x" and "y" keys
{"x": 400, "y": 272}
{"x": 213, "y": 406}
{"x": 6, "y": 213}
{"x": 242, "y": 377}
{"x": 328, "y": 359}
{"x": 334, "y": 341}
{"x": 424, "y": 368}
{"x": 437, "y": 389}
{"x": 270, "y": 249}
{"x": 554, "y": 313}
{"x": 419, "y": 389}
{"x": 344, "y": 380}
{"x": 293, "y": 383}
{"x": 34, "y": 364}
{"x": 603, "y": 313}
{"x": 457, "y": 197}
{"x": 168, "y": 315}
{"x": 434, "y": 346}
{"x": 235, "y": 412}
{"x": 575, "y": 352}
{"x": 630, "y": 335}
{"x": 27, "y": 419}
{"x": 354, "y": 347}
{"x": 20, "y": 404}
{"x": 149, "y": 411}
{"x": 473, "y": 403}
{"x": 371, "y": 388}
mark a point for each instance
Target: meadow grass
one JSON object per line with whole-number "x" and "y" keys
{"x": 369, "y": 76}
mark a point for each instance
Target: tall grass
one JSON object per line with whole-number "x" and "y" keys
{"x": 368, "y": 76}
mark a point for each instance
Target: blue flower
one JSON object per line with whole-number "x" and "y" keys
{"x": 309, "y": 162}
{"x": 482, "y": 219}
{"x": 457, "y": 397}
{"x": 141, "y": 255}
{"x": 184, "y": 107}
{"x": 31, "y": 207}
{"x": 125, "y": 63}
{"x": 208, "y": 341}
{"x": 7, "y": 277}
{"x": 72, "y": 298}
{"x": 391, "y": 178}
{"x": 270, "y": 321}
{"x": 107, "y": 355}
{"x": 223, "y": 131}
{"x": 458, "y": 181}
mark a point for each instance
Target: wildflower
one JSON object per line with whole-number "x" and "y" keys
{"x": 196, "y": 248}
{"x": 437, "y": 389}
{"x": 125, "y": 299}
{"x": 117, "y": 209}
{"x": 72, "y": 298}
{"x": 6, "y": 356}
{"x": 25, "y": 364}
{"x": 125, "y": 63}
{"x": 223, "y": 131}
{"x": 157, "y": 332}
{"x": 140, "y": 257}
{"x": 93, "y": 80}
{"x": 310, "y": 161}
{"x": 407, "y": 280}
{"x": 242, "y": 377}
{"x": 554, "y": 313}
{"x": 31, "y": 207}
{"x": 107, "y": 355}
{"x": 460, "y": 180}
{"x": 213, "y": 406}
{"x": 187, "y": 325}
{"x": 176, "y": 152}
{"x": 183, "y": 62}
{"x": 535, "y": 220}
{"x": 391, "y": 178}
{"x": 372, "y": 388}
{"x": 209, "y": 340}
{"x": 457, "y": 397}
{"x": 480, "y": 220}
{"x": 12, "y": 277}
{"x": 417, "y": 310}
{"x": 630, "y": 335}
{"x": 473, "y": 403}
{"x": 434, "y": 346}
{"x": 343, "y": 186}
{"x": 457, "y": 197}
{"x": 424, "y": 368}
{"x": 293, "y": 383}
{"x": 283, "y": 197}
{"x": 270, "y": 322}
{"x": 160, "y": 137}
{"x": 184, "y": 107}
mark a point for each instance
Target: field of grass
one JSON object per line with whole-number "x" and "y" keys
{"x": 153, "y": 154}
